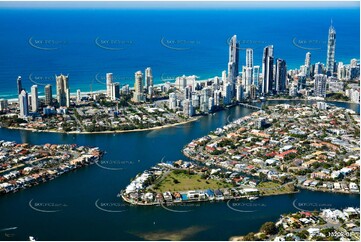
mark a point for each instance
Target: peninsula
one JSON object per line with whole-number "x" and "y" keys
{"x": 24, "y": 165}
{"x": 317, "y": 147}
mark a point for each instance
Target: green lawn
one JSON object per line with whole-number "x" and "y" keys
{"x": 273, "y": 188}
{"x": 182, "y": 181}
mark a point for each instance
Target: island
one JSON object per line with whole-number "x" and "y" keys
{"x": 179, "y": 182}
{"x": 24, "y": 165}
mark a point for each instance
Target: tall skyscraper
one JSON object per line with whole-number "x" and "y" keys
{"x": 239, "y": 92}
{"x": 109, "y": 81}
{"x": 253, "y": 92}
{"x": 34, "y": 98}
{"x": 186, "y": 104}
{"x": 62, "y": 87}
{"x": 320, "y": 85}
{"x": 227, "y": 94}
{"x": 281, "y": 74}
{"x": 172, "y": 101}
{"x": 301, "y": 81}
{"x": 331, "y": 45}
{"x": 249, "y": 57}
{"x": 138, "y": 87}
{"x": 308, "y": 64}
{"x": 308, "y": 59}
{"x": 78, "y": 95}
{"x": 256, "y": 76}
{"x": 48, "y": 94}
{"x": 67, "y": 96}
{"x": 148, "y": 78}
{"x": 19, "y": 85}
{"x": 233, "y": 61}
{"x": 23, "y": 104}
{"x": 3, "y": 104}
{"x": 318, "y": 68}
{"x": 224, "y": 77}
{"x": 267, "y": 69}
{"x": 248, "y": 78}
{"x": 115, "y": 91}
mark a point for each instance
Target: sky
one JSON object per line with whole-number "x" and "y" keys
{"x": 179, "y": 5}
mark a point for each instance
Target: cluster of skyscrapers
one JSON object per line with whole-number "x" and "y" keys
{"x": 30, "y": 104}
{"x": 142, "y": 88}
{"x": 329, "y": 77}
{"x": 234, "y": 85}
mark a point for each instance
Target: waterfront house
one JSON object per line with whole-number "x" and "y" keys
{"x": 337, "y": 186}
{"x": 218, "y": 194}
{"x": 210, "y": 194}
{"x": 148, "y": 197}
{"x": 307, "y": 183}
{"x": 314, "y": 183}
{"x": 167, "y": 196}
{"x": 193, "y": 195}
{"x": 353, "y": 187}
{"x": 159, "y": 197}
{"x": 177, "y": 197}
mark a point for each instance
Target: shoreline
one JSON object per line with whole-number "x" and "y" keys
{"x": 157, "y": 127}
{"x": 327, "y": 190}
{"x": 225, "y": 199}
{"x": 107, "y": 131}
{"x": 305, "y": 99}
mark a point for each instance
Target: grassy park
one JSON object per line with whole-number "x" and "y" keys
{"x": 273, "y": 188}
{"x": 181, "y": 180}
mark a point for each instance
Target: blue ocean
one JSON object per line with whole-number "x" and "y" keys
{"x": 87, "y": 43}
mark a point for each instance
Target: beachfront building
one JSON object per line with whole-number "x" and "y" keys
{"x": 308, "y": 64}
{"x": 34, "y": 98}
{"x": 331, "y": 45}
{"x": 19, "y": 85}
{"x": 48, "y": 94}
{"x": 138, "y": 95}
{"x": 62, "y": 90}
{"x": 233, "y": 62}
{"x": 78, "y": 96}
{"x": 23, "y": 104}
{"x": 267, "y": 69}
{"x": 3, "y": 105}
{"x": 115, "y": 91}
{"x": 109, "y": 81}
{"x": 148, "y": 78}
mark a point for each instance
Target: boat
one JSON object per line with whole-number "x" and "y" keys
{"x": 7, "y": 229}
{"x": 263, "y": 99}
{"x": 31, "y": 238}
{"x": 252, "y": 198}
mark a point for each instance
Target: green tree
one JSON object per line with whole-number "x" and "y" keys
{"x": 269, "y": 228}
{"x": 249, "y": 237}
